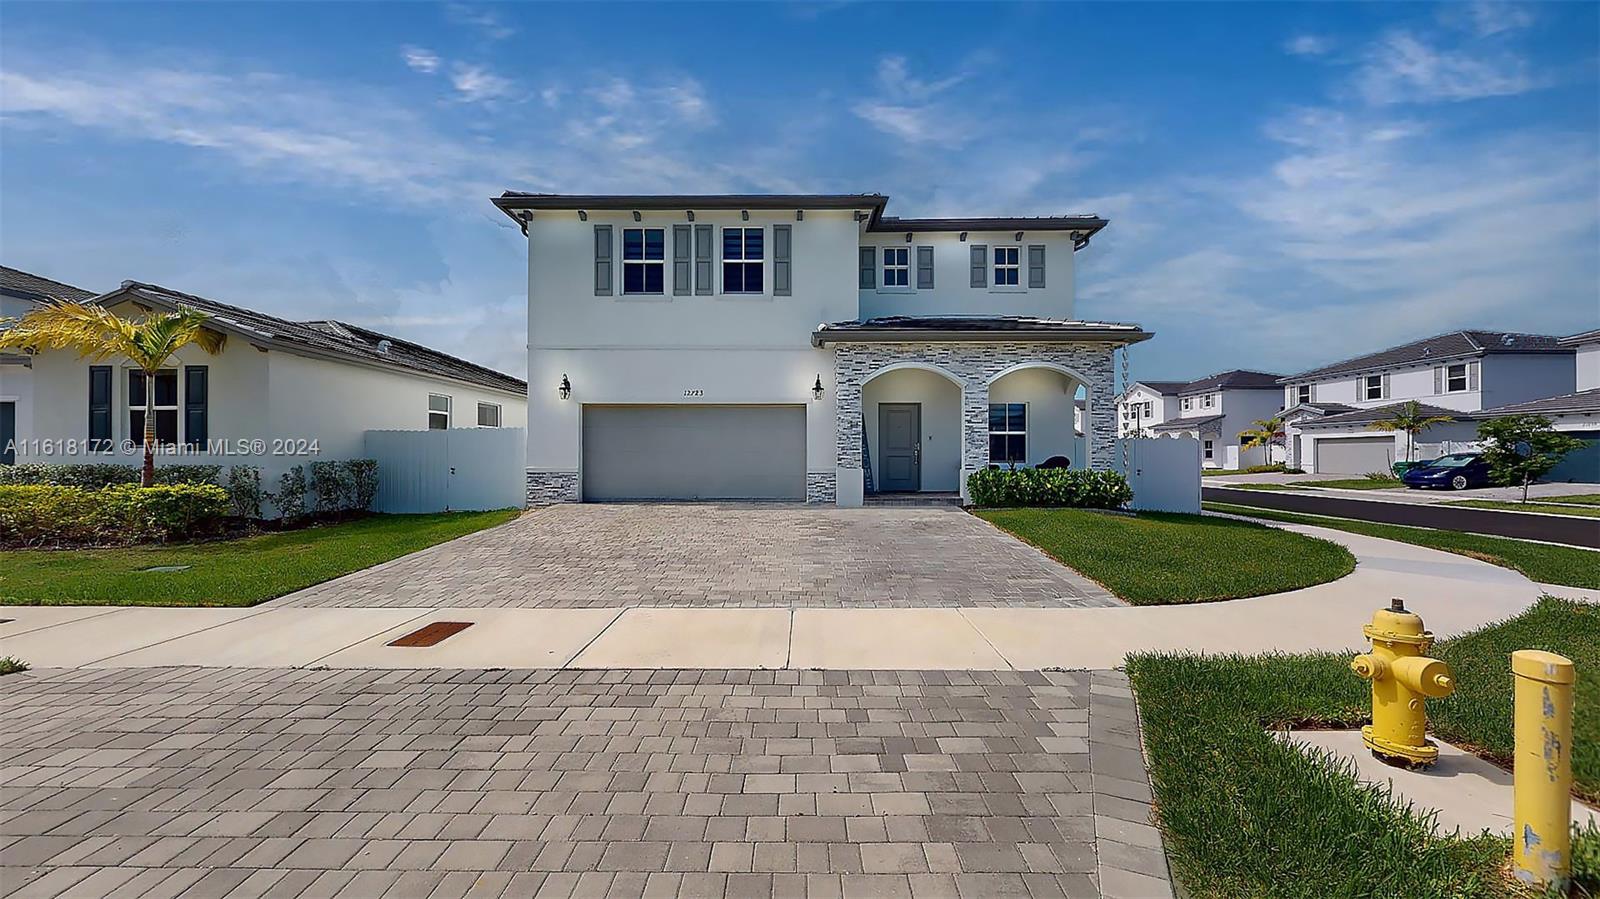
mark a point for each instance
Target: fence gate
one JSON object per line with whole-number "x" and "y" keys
{"x": 454, "y": 469}
{"x": 1164, "y": 473}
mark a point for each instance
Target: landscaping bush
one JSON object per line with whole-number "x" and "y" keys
{"x": 365, "y": 472}
{"x": 49, "y": 515}
{"x": 93, "y": 476}
{"x": 244, "y": 491}
{"x": 1074, "y": 488}
{"x": 1254, "y": 469}
{"x": 348, "y": 486}
{"x": 291, "y": 496}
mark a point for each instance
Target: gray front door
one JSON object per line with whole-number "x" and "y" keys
{"x": 8, "y": 433}
{"x": 900, "y": 434}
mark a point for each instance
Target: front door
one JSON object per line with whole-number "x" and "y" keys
{"x": 8, "y": 433}
{"x": 900, "y": 434}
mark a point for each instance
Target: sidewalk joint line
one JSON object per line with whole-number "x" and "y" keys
{"x": 592, "y": 640}
{"x": 258, "y": 611}
{"x": 425, "y": 613}
{"x": 985, "y": 638}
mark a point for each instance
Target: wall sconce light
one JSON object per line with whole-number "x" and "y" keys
{"x": 583, "y": 216}
{"x": 1019, "y": 236}
{"x": 566, "y": 387}
{"x": 636, "y": 216}
{"x": 816, "y": 389}
{"x": 963, "y": 237}
{"x": 744, "y": 214}
{"x": 908, "y": 237}
{"x": 690, "y": 213}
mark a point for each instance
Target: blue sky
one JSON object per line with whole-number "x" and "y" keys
{"x": 1286, "y": 184}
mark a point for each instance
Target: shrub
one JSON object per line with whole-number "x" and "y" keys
{"x": 333, "y": 485}
{"x": 49, "y": 515}
{"x": 365, "y": 473}
{"x": 1255, "y": 469}
{"x": 244, "y": 490}
{"x": 186, "y": 474}
{"x": 9, "y": 665}
{"x": 291, "y": 496}
{"x": 1049, "y": 487}
{"x": 93, "y": 476}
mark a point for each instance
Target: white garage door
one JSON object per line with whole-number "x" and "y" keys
{"x": 694, "y": 452}
{"x": 1354, "y": 455}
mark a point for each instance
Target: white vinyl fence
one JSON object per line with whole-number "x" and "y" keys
{"x": 448, "y": 470}
{"x": 1163, "y": 472}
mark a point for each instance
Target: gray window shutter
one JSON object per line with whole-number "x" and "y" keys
{"x": 100, "y": 408}
{"x": 1385, "y": 386}
{"x": 1036, "y": 265}
{"x": 682, "y": 260}
{"x": 703, "y": 284}
{"x": 781, "y": 274}
{"x": 1438, "y": 379}
{"x": 980, "y": 265}
{"x": 868, "y": 274}
{"x": 602, "y": 260}
{"x": 1472, "y": 376}
{"x": 924, "y": 268}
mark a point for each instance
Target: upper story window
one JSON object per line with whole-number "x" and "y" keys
{"x": 1209, "y": 400}
{"x": 1188, "y": 403}
{"x": 896, "y": 266}
{"x": 742, "y": 254}
{"x": 1007, "y": 266}
{"x": 1455, "y": 378}
{"x": 1302, "y": 393}
{"x": 1372, "y": 387}
{"x": 438, "y": 412}
{"x": 643, "y": 260}
{"x": 166, "y": 406}
{"x": 488, "y": 415}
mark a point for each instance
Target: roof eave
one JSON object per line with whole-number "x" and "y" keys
{"x": 826, "y": 336}
{"x": 512, "y": 204}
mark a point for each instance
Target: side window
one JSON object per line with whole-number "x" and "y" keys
{"x": 1008, "y": 433}
{"x": 1372, "y": 387}
{"x": 1456, "y": 378}
{"x": 1209, "y": 449}
{"x": 643, "y": 260}
{"x": 743, "y": 251}
{"x": 1303, "y": 393}
{"x": 438, "y": 412}
{"x": 488, "y": 415}
{"x": 1007, "y": 266}
{"x": 165, "y": 406}
{"x": 896, "y": 266}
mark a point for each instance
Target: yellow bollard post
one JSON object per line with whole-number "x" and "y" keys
{"x": 1542, "y": 841}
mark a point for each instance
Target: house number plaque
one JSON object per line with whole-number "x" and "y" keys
{"x": 694, "y": 391}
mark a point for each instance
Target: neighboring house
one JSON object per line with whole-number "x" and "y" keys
{"x": 1216, "y": 408}
{"x": 1577, "y": 413}
{"x": 19, "y": 293}
{"x": 801, "y": 347}
{"x": 280, "y": 393}
{"x": 1146, "y": 404}
{"x": 1330, "y": 410}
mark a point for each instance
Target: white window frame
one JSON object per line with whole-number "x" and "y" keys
{"x": 1188, "y": 403}
{"x": 446, "y": 411}
{"x": 743, "y": 259}
{"x": 1208, "y": 449}
{"x": 1448, "y": 378}
{"x": 1027, "y": 416}
{"x": 137, "y": 435}
{"x": 1207, "y": 400}
{"x": 1370, "y": 383}
{"x": 497, "y": 410}
{"x": 1302, "y": 393}
{"x": 901, "y": 267}
{"x": 1013, "y": 267}
{"x": 644, "y": 262}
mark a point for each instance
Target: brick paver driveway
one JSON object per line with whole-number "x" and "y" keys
{"x": 161, "y": 782}
{"x": 573, "y": 556}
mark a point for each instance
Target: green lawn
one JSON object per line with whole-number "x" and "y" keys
{"x": 1159, "y": 559}
{"x": 1578, "y": 511}
{"x": 1547, "y": 563}
{"x": 1577, "y": 499}
{"x": 1356, "y": 484}
{"x": 1246, "y": 815}
{"x": 228, "y": 573}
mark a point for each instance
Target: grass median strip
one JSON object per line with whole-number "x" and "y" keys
{"x": 226, "y": 573}
{"x": 1246, "y": 815}
{"x": 1157, "y": 558}
{"x": 1543, "y": 508}
{"x": 1547, "y": 563}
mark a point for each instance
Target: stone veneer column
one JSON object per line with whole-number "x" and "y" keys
{"x": 974, "y": 428}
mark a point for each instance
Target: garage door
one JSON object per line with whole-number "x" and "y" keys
{"x": 1354, "y": 455}
{"x": 694, "y": 452}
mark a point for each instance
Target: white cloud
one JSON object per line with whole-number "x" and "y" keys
{"x": 1489, "y": 17}
{"x": 476, "y": 83}
{"x": 1402, "y": 68}
{"x": 912, "y": 110}
{"x": 1307, "y": 45}
{"x": 485, "y": 20}
{"x": 420, "y": 59}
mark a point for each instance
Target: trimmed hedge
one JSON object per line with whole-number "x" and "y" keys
{"x": 93, "y": 476}
{"x": 47, "y": 515}
{"x": 1071, "y": 487}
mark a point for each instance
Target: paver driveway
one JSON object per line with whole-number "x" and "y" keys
{"x": 576, "y": 556}
{"x": 241, "y": 783}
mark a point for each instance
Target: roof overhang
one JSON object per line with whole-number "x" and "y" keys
{"x": 1119, "y": 335}
{"x": 1081, "y": 227}
{"x": 1584, "y": 339}
{"x": 515, "y": 204}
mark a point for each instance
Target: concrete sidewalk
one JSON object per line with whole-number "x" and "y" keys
{"x": 1453, "y": 593}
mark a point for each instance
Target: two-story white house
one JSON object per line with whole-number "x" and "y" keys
{"x": 1331, "y": 409}
{"x": 20, "y": 292}
{"x": 1145, "y": 404}
{"x": 801, "y": 347}
{"x": 1216, "y": 408}
{"x": 1576, "y": 413}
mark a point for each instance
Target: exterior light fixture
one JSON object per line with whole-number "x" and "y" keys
{"x": 744, "y": 214}
{"x": 816, "y": 389}
{"x": 1019, "y": 236}
{"x": 636, "y": 215}
{"x": 963, "y": 237}
{"x": 691, "y": 215}
{"x": 583, "y": 216}
{"x": 799, "y": 215}
{"x": 908, "y": 237}
{"x": 566, "y": 387}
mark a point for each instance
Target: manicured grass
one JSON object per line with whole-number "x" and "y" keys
{"x": 230, "y": 573}
{"x": 1577, "y": 499}
{"x": 1356, "y": 484}
{"x": 1577, "y": 511}
{"x": 1258, "y": 486}
{"x": 8, "y": 665}
{"x": 1546, "y": 563}
{"x": 1159, "y": 559}
{"x": 1246, "y": 815}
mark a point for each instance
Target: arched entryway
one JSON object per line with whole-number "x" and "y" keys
{"x": 1038, "y": 412}
{"x": 911, "y": 428}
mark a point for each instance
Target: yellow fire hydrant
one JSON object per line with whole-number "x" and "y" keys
{"x": 1402, "y": 677}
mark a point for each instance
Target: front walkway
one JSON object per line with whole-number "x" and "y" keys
{"x": 575, "y": 556}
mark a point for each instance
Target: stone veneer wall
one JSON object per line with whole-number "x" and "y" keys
{"x": 974, "y": 365}
{"x": 552, "y": 487}
{"x": 821, "y": 486}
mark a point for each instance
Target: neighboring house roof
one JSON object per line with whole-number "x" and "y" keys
{"x": 1238, "y": 379}
{"x": 969, "y": 328}
{"x": 1581, "y": 339}
{"x": 1161, "y": 387}
{"x": 1584, "y": 401}
{"x": 337, "y": 340}
{"x": 1198, "y": 423}
{"x": 1368, "y": 416}
{"x": 27, "y": 285}
{"x": 1453, "y": 345}
{"x": 1317, "y": 409}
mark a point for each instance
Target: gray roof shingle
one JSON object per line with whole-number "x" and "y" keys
{"x": 1567, "y": 404}
{"x": 1197, "y": 423}
{"x": 27, "y": 285}
{"x": 1368, "y": 416}
{"x": 1452, "y": 345}
{"x": 1237, "y": 379}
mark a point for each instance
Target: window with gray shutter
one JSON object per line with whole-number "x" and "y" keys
{"x": 1472, "y": 376}
{"x": 100, "y": 408}
{"x": 196, "y": 404}
{"x": 682, "y": 260}
{"x": 703, "y": 284}
{"x": 1036, "y": 265}
{"x": 867, "y": 267}
{"x": 602, "y": 260}
{"x": 781, "y": 270}
{"x": 1438, "y": 379}
{"x": 980, "y": 265}
{"x": 924, "y": 268}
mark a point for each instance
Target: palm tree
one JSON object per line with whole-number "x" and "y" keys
{"x": 1268, "y": 432}
{"x": 1408, "y": 417}
{"x": 97, "y": 334}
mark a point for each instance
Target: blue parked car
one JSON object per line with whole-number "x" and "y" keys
{"x": 1457, "y": 471}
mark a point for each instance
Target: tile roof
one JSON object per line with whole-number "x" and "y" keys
{"x": 35, "y": 287}
{"x": 1162, "y": 387}
{"x": 1452, "y": 345}
{"x": 1237, "y": 379}
{"x": 338, "y": 339}
{"x": 1567, "y": 404}
{"x": 1187, "y": 424}
{"x": 976, "y": 327}
{"x": 1368, "y": 416}
{"x": 1320, "y": 409}
{"x": 1581, "y": 338}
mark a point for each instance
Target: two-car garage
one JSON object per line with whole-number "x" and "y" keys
{"x": 1353, "y": 455}
{"x": 694, "y": 452}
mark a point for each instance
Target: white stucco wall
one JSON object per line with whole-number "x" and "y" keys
{"x": 1049, "y": 395}
{"x": 952, "y": 293}
{"x": 1162, "y": 408}
{"x": 1503, "y": 379}
{"x": 940, "y": 399}
{"x": 1587, "y": 366}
